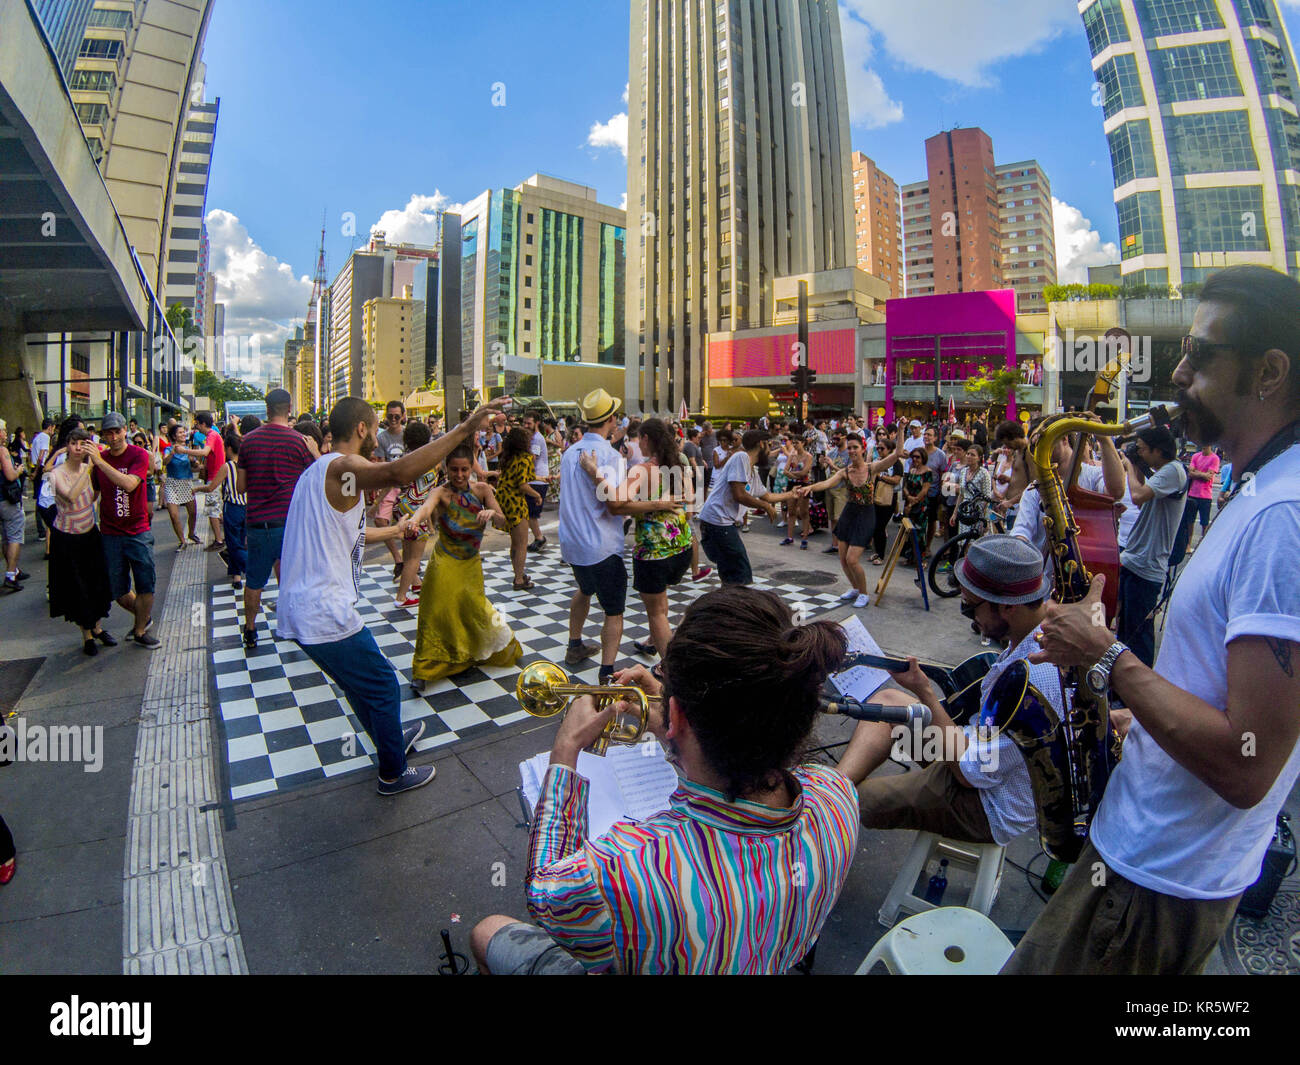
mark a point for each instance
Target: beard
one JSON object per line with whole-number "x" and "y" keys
{"x": 368, "y": 446}
{"x": 1199, "y": 422}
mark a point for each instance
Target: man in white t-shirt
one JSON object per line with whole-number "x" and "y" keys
{"x": 1212, "y": 752}
{"x": 722, "y": 510}
{"x": 541, "y": 479}
{"x": 41, "y": 452}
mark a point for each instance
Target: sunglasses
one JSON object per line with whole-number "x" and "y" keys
{"x": 968, "y": 610}
{"x": 1199, "y": 352}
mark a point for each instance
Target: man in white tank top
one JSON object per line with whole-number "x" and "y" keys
{"x": 320, "y": 568}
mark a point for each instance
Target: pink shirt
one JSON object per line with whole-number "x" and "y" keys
{"x": 1203, "y": 464}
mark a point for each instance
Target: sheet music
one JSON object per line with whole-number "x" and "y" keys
{"x": 644, "y": 776}
{"x": 860, "y": 682}
{"x": 629, "y": 782}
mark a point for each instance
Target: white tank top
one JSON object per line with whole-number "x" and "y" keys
{"x": 320, "y": 563}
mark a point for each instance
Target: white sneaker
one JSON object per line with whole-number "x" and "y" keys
{"x": 780, "y": 524}
{"x": 850, "y": 594}
{"x": 860, "y": 602}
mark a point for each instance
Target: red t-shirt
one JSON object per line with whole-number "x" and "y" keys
{"x": 273, "y": 457}
{"x": 123, "y": 513}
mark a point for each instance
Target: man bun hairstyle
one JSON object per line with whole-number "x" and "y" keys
{"x": 754, "y": 437}
{"x": 747, "y": 679}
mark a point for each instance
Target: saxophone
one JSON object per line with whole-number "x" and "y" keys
{"x": 1069, "y": 760}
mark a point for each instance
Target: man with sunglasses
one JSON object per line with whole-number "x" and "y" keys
{"x": 1212, "y": 752}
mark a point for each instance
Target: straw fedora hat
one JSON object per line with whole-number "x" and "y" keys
{"x": 598, "y": 406}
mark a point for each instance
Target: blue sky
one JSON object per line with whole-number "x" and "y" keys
{"x": 377, "y": 115}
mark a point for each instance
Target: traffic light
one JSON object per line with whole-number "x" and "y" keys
{"x": 934, "y": 414}
{"x": 803, "y": 378}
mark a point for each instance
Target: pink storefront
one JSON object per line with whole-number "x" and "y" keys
{"x": 941, "y": 341}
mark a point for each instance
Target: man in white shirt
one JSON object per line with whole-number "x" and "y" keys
{"x": 541, "y": 479}
{"x": 722, "y": 510}
{"x": 1106, "y": 479}
{"x": 1212, "y": 752}
{"x": 41, "y": 452}
{"x": 591, "y": 533}
{"x": 978, "y": 790}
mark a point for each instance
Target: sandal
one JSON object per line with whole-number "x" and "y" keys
{"x": 877, "y": 561}
{"x": 523, "y": 587}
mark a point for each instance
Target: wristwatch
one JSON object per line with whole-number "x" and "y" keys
{"x": 1098, "y": 677}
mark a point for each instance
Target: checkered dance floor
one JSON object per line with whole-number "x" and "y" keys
{"x": 286, "y": 724}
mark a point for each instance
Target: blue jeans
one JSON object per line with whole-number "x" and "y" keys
{"x": 358, "y": 667}
{"x": 1137, "y": 598}
{"x": 232, "y": 521}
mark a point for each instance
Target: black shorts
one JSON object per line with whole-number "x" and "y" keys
{"x": 652, "y": 576}
{"x": 535, "y": 509}
{"x": 725, "y": 549}
{"x": 607, "y": 581}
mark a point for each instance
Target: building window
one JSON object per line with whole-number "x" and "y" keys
{"x": 1210, "y": 220}
{"x": 1131, "y": 153}
{"x": 1197, "y": 72}
{"x": 94, "y": 80}
{"x": 1207, "y": 143}
{"x": 114, "y": 20}
{"x": 92, "y": 114}
{"x": 1121, "y": 86}
{"x": 1161, "y": 17}
{"x": 528, "y": 260}
{"x": 1141, "y": 227}
{"x": 94, "y": 48}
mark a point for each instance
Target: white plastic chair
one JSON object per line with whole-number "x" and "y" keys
{"x": 948, "y": 941}
{"x": 985, "y": 858}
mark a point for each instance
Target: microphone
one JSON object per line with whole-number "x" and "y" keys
{"x": 916, "y": 713}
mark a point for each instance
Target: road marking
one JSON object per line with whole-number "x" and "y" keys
{"x": 179, "y": 913}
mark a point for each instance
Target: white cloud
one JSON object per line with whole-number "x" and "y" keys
{"x": 611, "y": 134}
{"x": 960, "y": 39}
{"x": 1078, "y": 244}
{"x": 627, "y": 86}
{"x": 622, "y": 204}
{"x": 417, "y": 222}
{"x": 870, "y": 105}
{"x": 263, "y": 298}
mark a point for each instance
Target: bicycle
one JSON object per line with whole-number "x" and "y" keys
{"x": 942, "y": 572}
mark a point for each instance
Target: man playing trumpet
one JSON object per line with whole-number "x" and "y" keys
{"x": 741, "y": 871}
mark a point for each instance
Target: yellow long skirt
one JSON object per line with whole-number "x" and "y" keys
{"x": 458, "y": 627}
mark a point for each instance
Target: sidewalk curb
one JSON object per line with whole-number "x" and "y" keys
{"x": 179, "y": 912}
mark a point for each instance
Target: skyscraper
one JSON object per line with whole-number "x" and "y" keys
{"x": 186, "y": 244}
{"x": 879, "y": 231}
{"x": 974, "y": 225}
{"x": 64, "y": 22}
{"x": 1199, "y": 103}
{"x": 1028, "y": 246}
{"x": 738, "y": 173}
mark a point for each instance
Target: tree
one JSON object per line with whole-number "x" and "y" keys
{"x": 995, "y": 387}
{"x": 222, "y": 391}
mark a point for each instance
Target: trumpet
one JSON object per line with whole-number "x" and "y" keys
{"x": 544, "y": 690}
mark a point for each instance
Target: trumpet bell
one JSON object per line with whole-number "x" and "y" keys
{"x": 536, "y": 689}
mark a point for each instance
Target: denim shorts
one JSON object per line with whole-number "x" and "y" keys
{"x": 129, "y": 559}
{"x": 264, "y": 546}
{"x": 535, "y": 509}
{"x": 525, "y": 950}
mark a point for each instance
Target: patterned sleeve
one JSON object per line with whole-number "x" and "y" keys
{"x": 561, "y": 892}
{"x": 515, "y": 473}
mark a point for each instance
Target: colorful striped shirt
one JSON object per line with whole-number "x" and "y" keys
{"x": 707, "y": 886}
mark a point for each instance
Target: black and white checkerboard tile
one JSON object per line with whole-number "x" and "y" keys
{"x": 287, "y": 724}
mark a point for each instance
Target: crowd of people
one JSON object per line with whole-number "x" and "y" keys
{"x": 1185, "y": 819}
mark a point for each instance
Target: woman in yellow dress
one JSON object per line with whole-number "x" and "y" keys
{"x": 458, "y": 628}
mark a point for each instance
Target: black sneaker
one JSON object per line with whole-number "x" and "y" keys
{"x": 410, "y": 734}
{"x": 24, "y": 576}
{"x": 647, "y": 649}
{"x": 12, "y": 585}
{"x": 146, "y": 640}
{"x": 538, "y": 545}
{"x": 413, "y": 777}
{"x": 250, "y": 639}
{"x": 106, "y": 638}
{"x": 237, "y": 585}
{"x": 91, "y": 648}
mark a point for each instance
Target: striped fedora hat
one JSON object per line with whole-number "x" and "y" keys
{"x": 1001, "y": 568}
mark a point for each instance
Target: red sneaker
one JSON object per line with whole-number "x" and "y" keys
{"x": 409, "y": 601}
{"x": 7, "y": 870}
{"x": 704, "y": 572}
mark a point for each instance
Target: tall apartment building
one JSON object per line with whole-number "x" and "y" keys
{"x": 387, "y": 363}
{"x": 1199, "y": 100}
{"x": 973, "y": 225}
{"x": 64, "y": 23}
{"x": 186, "y": 246}
{"x": 1028, "y": 239}
{"x": 738, "y": 174}
{"x": 134, "y": 73}
{"x": 878, "y": 223}
{"x": 373, "y": 273}
{"x": 542, "y": 277}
